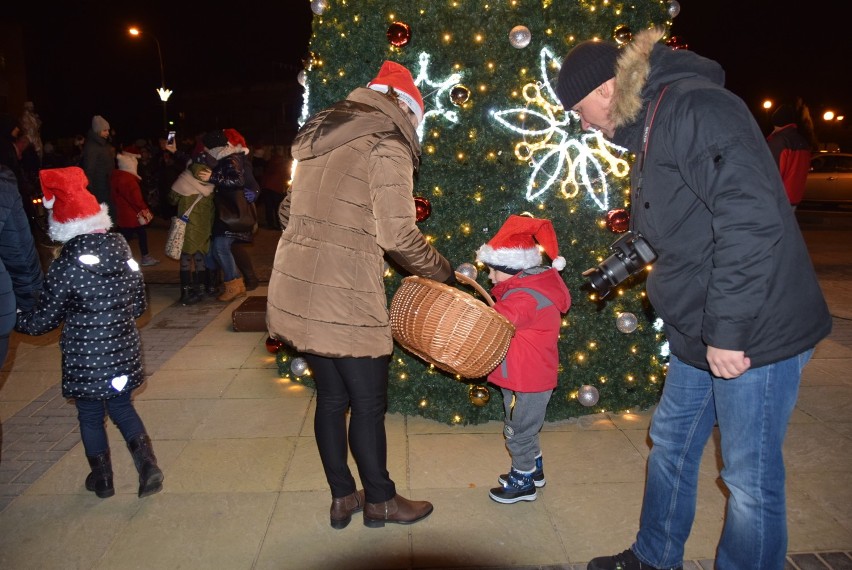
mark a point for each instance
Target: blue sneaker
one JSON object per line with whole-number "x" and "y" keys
{"x": 519, "y": 486}
{"x": 538, "y": 474}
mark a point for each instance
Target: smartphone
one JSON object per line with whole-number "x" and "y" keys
{"x": 170, "y": 139}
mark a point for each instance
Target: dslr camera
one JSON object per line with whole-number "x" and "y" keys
{"x": 631, "y": 253}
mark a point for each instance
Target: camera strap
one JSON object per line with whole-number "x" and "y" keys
{"x": 646, "y": 136}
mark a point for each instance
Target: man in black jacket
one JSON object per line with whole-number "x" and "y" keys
{"x": 733, "y": 284}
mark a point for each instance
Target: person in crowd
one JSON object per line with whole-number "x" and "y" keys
{"x": 326, "y": 293}
{"x": 273, "y": 184}
{"x": 732, "y": 283}
{"x": 20, "y": 270}
{"x": 533, "y": 297}
{"x": 31, "y": 126}
{"x": 96, "y": 289}
{"x": 791, "y": 151}
{"x": 132, "y": 214}
{"x": 192, "y": 190}
{"x": 98, "y": 161}
{"x": 236, "y": 217}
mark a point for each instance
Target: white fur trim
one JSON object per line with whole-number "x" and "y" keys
{"x": 73, "y": 228}
{"x": 559, "y": 263}
{"x": 128, "y": 163}
{"x": 511, "y": 257}
{"x": 406, "y": 98}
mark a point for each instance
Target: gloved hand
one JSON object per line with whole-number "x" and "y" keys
{"x": 451, "y": 280}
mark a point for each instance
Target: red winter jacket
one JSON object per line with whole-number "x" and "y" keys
{"x": 792, "y": 154}
{"x": 534, "y": 301}
{"x": 127, "y": 197}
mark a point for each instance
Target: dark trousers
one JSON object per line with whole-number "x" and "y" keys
{"x": 91, "y": 414}
{"x": 361, "y": 385}
{"x": 139, "y": 232}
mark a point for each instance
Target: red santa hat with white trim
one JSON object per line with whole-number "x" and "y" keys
{"x": 73, "y": 210}
{"x": 397, "y": 76}
{"x": 517, "y": 245}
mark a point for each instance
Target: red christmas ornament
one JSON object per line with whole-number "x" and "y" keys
{"x": 399, "y": 34}
{"x": 618, "y": 221}
{"x": 677, "y": 42}
{"x": 273, "y": 345}
{"x": 422, "y": 208}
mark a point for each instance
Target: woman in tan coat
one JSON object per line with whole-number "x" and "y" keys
{"x": 350, "y": 204}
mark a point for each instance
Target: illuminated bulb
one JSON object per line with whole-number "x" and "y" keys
{"x": 403, "y": 376}
{"x": 447, "y": 38}
{"x": 423, "y": 403}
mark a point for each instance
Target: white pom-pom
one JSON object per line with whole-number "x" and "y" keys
{"x": 559, "y": 263}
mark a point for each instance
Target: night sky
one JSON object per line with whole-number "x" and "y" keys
{"x": 81, "y": 61}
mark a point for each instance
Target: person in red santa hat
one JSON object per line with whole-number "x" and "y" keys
{"x": 95, "y": 287}
{"x": 533, "y": 297}
{"x": 351, "y": 204}
{"x": 132, "y": 214}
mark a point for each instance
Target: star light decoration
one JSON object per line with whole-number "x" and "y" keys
{"x": 574, "y": 163}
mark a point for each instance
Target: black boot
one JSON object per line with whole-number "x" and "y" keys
{"x": 199, "y": 279}
{"x": 100, "y": 479}
{"x": 211, "y": 282}
{"x": 187, "y": 293}
{"x": 150, "y": 476}
{"x": 244, "y": 264}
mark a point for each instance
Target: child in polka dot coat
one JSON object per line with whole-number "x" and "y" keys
{"x": 95, "y": 287}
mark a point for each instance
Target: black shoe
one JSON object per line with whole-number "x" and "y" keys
{"x": 624, "y": 561}
{"x": 518, "y": 487}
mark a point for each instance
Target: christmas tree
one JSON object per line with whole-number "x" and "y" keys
{"x": 496, "y": 142}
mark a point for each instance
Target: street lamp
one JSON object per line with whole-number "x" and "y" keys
{"x": 162, "y": 91}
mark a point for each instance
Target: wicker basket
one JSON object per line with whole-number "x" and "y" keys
{"x": 449, "y": 328}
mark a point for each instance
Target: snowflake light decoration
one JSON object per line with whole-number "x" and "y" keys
{"x": 576, "y": 163}
{"x": 438, "y": 89}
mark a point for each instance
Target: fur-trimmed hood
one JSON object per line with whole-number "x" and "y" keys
{"x": 645, "y": 66}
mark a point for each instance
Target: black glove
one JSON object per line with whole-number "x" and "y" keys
{"x": 451, "y": 280}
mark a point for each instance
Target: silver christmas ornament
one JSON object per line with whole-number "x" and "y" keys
{"x": 468, "y": 270}
{"x": 302, "y": 78}
{"x": 520, "y": 37}
{"x": 588, "y": 395}
{"x": 299, "y": 366}
{"x": 674, "y": 8}
{"x": 319, "y": 6}
{"x": 626, "y": 322}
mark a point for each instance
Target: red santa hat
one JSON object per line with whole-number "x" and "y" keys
{"x": 515, "y": 247}
{"x": 395, "y": 75}
{"x": 73, "y": 209}
{"x": 236, "y": 140}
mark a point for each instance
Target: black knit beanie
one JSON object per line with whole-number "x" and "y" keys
{"x": 213, "y": 139}
{"x": 586, "y": 66}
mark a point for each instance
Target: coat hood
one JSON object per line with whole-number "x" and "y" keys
{"x": 102, "y": 254}
{"x": 363, "y": 112}
{"x": 636, "y": 82}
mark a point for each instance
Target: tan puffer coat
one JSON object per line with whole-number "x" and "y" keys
{"x": 351, "y": 203}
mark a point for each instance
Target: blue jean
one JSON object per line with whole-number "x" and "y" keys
{"x": 752, "y": 412}
{"x": 224, "y": 257}
{"x": 91, "y": 414}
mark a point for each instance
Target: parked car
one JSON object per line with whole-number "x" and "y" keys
{"x": 830, "y": 179}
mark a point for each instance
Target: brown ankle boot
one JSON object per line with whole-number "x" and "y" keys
{"x": 342, "y": 509}
{"x": 233, "y": 289}
{"x": 398, "y": 510}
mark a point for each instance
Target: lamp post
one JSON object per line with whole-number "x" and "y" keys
{"x": 162, "y": 91}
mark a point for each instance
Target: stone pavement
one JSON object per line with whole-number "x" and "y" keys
{"x": 244, "y": 486}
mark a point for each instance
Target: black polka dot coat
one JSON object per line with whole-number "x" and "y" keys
{"x": 96, "y": 288}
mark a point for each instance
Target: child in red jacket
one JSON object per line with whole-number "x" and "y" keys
{"x": 533, "y": 297}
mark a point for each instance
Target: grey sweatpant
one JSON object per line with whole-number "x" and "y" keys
{"x": 522, "y": 425}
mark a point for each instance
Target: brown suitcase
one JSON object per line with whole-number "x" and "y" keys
{"x": 250, "y": 316}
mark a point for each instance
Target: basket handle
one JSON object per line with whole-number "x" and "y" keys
{"x": 472, "y": 282}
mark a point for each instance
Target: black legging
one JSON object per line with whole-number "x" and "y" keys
{"x": 362, "y": 385}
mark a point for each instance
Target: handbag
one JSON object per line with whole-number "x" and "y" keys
{"x": 235, "y": 212}
{"x": 177, "y": 232}
{"x": 144, "y": 217}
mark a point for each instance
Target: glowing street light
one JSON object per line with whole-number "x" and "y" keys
{"x": 162, "y": 91}
{"x": 767, "y": 104}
